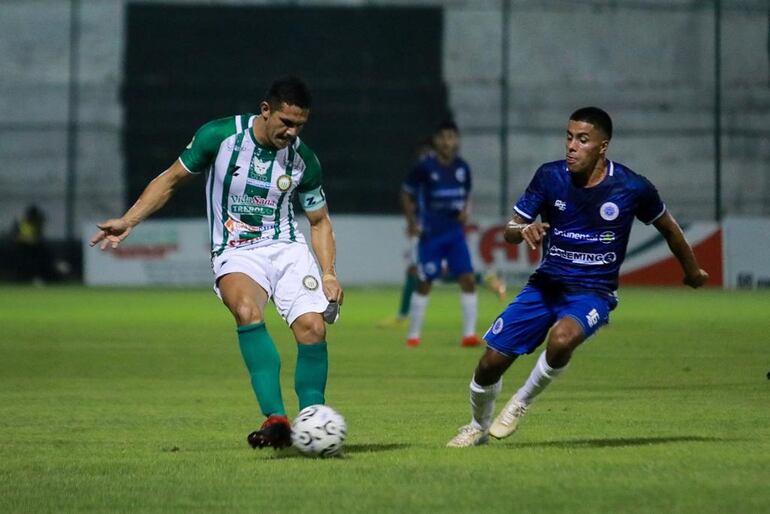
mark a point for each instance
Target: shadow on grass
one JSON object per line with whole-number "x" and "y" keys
{"x": 350, "y": 449}
{"x": 375, "y": 448}
{"x": 619, "y": 442}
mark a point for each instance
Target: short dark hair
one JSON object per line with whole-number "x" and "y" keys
{"x": 446, "y": 124}
{"x": 596, "y": 117}
{"x": 289, "y": 90}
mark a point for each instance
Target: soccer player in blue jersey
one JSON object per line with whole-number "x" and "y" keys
{"x": 435, "y": 200}
{"x": 587, "y": 204}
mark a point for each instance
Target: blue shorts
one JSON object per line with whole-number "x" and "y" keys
{"x": 525, "y": 323}
{"x": 450, "y": 247}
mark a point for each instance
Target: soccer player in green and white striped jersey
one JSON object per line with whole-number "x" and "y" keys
{"x": 254, "y": 164}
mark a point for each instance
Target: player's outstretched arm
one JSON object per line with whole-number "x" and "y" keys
{"x": 694, "y": 276}
{"x": 154, "y": 196}
{"x": 519, "y": 229}
{"x": 325, "y": 249}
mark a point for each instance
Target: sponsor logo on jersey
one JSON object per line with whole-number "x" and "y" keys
{"x": 592, "y": 318}
{"x": 577, "y": 236}
{"x": 246, "y": 208}
{"x": 609, "y": 211}
{"x": 498, "y": 326}
{"x": 561, "y": 205}
{"x": 258, "y": 183}
{"x": 234, "y": 243}
{"x": 607, "y": 237}
{"x": 590, "y": 259}
{"x": 460, "y": 174}
{"x": 310, "y": 282}
{"x": 284, "y": 182}
{"x": 253, "y": 200}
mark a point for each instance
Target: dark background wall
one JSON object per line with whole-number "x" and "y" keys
{"x": 375, "y": 75}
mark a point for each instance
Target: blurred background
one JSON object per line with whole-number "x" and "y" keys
{"x": 99, "y": 96}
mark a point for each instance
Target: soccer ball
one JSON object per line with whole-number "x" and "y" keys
{"x": 319, "y": 431}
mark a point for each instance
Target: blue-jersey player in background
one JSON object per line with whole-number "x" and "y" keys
{"x": 435, "y": 198}
{"x": 587, "y": 205}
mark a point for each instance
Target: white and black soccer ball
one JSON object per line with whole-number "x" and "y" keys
{"x": 319, "y": 431}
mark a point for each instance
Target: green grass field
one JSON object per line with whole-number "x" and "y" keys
{"x": 138, "y": 401}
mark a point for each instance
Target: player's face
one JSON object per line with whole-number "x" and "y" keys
{"x": 585, "y": 145}
{"x": 446, "y": 143}
{"x": 282, "y": 126}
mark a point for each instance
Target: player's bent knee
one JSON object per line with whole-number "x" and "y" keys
{"x": 246, "y": 312}
{"x": 309, "y": 328}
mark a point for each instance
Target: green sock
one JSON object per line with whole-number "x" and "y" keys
{"x": 264, "y": 365}
{"x": 310, "y": 375}
{"x": 406, "y": 295}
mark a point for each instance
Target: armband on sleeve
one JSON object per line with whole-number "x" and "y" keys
{"x": 312, "y": 200}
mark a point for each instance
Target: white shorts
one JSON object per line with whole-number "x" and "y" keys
{"x": 287, "y": 271}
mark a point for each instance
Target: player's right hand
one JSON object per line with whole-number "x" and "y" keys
{"x": 111, "y": 233}
{"x": 697, "y": 279}
{"x": 534, "y": 233}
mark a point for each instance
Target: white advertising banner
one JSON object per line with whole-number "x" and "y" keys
{"x": 746, "y": 250}
{"x": 374, "y": 250}
{"x": 162, "y": 252}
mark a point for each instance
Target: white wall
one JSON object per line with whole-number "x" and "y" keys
{"x": 648, "y": 62}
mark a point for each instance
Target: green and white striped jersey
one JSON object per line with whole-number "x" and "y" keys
{"x": 249, "y": 187}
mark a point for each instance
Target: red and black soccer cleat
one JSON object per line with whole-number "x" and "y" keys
{"x": 275, "y": 432}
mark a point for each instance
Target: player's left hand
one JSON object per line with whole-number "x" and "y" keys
{"x": 332, "y": 288}
{"x": 697, "y": 279}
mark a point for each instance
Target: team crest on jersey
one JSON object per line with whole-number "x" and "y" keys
{"x": 460, "y": 174}
{"x": 498, "y": 326}
{"x": 284, "y": 182}
{"x": 609, "y": 211}
{"x": 310, "y": 282}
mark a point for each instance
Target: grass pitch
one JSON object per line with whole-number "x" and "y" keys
{"x": 138, "y": 401}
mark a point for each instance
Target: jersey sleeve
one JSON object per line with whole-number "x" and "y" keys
{"x": 200, "y": 153}
{"x": 310, "y": 192}
{"x": 650, "y": 207}
{"x": 414, "y": 178}
{"x": 531, "y": 202}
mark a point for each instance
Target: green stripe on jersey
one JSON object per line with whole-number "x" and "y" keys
{"x": 228, "y": 179}
{"x": 289, "y": 169}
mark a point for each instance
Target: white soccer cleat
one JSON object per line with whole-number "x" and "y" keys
{"x": 468, "y": 436}
{"x": 508, "y": 420}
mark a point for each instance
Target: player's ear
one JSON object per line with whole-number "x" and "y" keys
{"x": 603, "y": 147}
{"x": 264, "y": 109}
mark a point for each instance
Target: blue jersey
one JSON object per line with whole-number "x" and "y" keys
{"x": 587, "y": 241}
{"x": 441, "y": 192}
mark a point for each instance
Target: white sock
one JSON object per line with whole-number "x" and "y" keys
{"x": 417, "y": 314}
{"x": 542, "y": 375}
{"x": 470, "y": 305}
{"x": 483, "y": 403}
